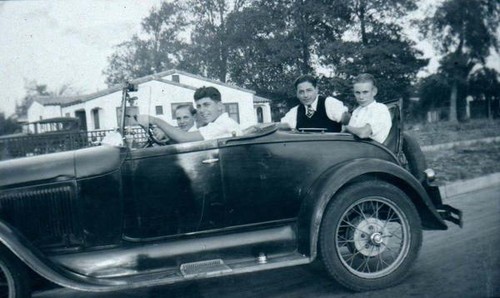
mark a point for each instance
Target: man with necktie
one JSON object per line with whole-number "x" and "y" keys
{"x": 315, "y": 111}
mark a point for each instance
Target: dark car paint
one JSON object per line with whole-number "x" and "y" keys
{"x": 110, "y": 198}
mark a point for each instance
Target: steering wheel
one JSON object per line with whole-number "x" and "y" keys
{"x": 152, "y": 137}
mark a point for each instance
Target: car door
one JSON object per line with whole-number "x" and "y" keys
{"x": 168, "y": 190}
{"x": 262, "y": 181}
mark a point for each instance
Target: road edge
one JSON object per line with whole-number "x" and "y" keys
{"x": 465, "y": 186}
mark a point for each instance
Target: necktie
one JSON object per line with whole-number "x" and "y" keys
{"x": 309, "y": 111}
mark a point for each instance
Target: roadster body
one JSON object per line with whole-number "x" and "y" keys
{"x": 110, "y": 217}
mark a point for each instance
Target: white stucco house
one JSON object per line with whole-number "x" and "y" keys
{"x": 158, "y": 95}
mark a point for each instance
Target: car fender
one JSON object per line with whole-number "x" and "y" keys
{"x": 335, "y": 178}
{"x": 39, "y": 263}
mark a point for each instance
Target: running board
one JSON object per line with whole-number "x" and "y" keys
{"x": 204, "y": 268}
{"x": 207, "y": 269}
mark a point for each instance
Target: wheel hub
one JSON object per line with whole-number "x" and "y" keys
{"x": 371, "y": 237}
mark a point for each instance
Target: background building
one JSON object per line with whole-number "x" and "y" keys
{"x": 158, "y": 95}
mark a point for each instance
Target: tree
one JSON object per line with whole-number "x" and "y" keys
{"x": 373, "y": 42}
{"x": 463, "y": 31}
{"x": 161, "y": 48}
{"x": 35, "y": 89}
{"x": 209, "y": 37}
{"x": 434, "y": 93}
{"x": 485, "y": 84}
{"x": 8, "y": 125}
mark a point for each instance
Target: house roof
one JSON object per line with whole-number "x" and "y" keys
{"x": 65, "y": 101}
{"x": 187, "y": 74}
{"x": 258, "y": 99}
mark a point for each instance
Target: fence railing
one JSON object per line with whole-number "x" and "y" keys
{"x": 38, "y": 144}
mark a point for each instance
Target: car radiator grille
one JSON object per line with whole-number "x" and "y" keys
{"x": 43, "y": 215}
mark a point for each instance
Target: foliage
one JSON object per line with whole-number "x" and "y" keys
{"x": 434, "y": 92}
{"x": 35, "y": 89}
{"x": 464, "y": 32}
{"x": 161, "y": 48}
{"x": 264, "y": 45}
{"x": 8, "y": 125}
{"x": 484, "y": 84}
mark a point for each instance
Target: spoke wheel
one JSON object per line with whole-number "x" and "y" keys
{"x": 370, "y": 236}
{"x": 14, "y": 281}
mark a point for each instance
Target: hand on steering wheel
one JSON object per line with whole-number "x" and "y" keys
{"x": 154, "y": 134}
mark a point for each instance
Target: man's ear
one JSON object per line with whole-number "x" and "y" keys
{"x": 221, "y": 106}
{"x": 375, "y": 90}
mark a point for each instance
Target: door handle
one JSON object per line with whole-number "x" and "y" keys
{"x": 210, "y": 160}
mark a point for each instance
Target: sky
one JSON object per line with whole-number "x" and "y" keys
{"x": 62, "y": 42}
{"x": 69, "y": 42}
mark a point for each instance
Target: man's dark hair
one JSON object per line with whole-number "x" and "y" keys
{"x": 306, "y": 78}
{"x": 203, "y": 92}
{"x": 189, "y": 107}
{"x": 364, "y": 78}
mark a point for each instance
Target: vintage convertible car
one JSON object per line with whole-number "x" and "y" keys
{"x": 111, "y": 217}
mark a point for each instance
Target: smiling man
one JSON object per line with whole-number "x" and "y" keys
{"x": 370, "y": 119}
{"x": 210, "y": 112}
{"x": 315, "y": 111}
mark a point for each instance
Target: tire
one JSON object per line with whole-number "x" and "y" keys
{"x": 415, "y": 158}
{"x": 14, "y": 278}
{"x": 370, "y": 236}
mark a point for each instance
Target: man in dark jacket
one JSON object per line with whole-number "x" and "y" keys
{"x": 315, "y": 111}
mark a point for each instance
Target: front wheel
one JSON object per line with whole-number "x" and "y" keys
{"x": 370, "y": 236}
{"x": 14, "y": 279}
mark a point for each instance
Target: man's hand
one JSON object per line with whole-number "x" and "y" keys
{"x": 144, "y": 120}
{"x": 159, "y": 134}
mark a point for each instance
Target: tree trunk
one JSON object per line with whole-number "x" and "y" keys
{"x": 488, "y": 104}
{"x": 452, "y": 117}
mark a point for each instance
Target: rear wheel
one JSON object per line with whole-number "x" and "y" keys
{"x": 14, "y": 279}
{"x": 370, "y": 236}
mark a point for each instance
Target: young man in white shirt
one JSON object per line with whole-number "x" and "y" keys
{"x": 185, "y": 115}
{"x": 315, "y": 111}
{"x": 210, "y": 110}
{"x": 370, "y": 119}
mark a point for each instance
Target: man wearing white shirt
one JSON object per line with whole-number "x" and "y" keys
{"x": 185, "y": 115}
{"x": 210, "y": 110}
{"x": 315, "y": 111}
{"x": 371, "y": 119}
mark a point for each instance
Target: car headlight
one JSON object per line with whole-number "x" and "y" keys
{"x": 430, "y": 174}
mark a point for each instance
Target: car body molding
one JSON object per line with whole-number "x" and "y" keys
{"x": 324, "y": 189}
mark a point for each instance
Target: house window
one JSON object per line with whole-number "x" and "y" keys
{"x": 131, "y": 111}
{"x": 175, "y": 78}
{"x": 95, "y": 118}
{"x": 233, "y": 111}
{"x": 159, "y": 110}
{"x": 175, "y": 105}
{"x": 67, "y": 115}
{"x": 260, "y": 115}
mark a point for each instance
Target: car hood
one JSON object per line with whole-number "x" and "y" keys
{"x": 62, "y": 165}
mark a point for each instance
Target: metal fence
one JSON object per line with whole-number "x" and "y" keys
{"x": 37, "y": 144}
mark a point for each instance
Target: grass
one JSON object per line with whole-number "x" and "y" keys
{"x": 444, "y": 132}
{"x": 460, "y": 163}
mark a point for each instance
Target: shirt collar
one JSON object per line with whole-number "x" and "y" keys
{"x": 314, "y": 104}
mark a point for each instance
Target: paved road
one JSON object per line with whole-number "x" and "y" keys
{"x": 454, "y": 263}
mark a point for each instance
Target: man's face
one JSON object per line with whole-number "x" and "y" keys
{"x": 208, "y": 109}
{"x": 184, "y": 119}
{"x": 306, "y": 93}
{"x": 364, "y": 93}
